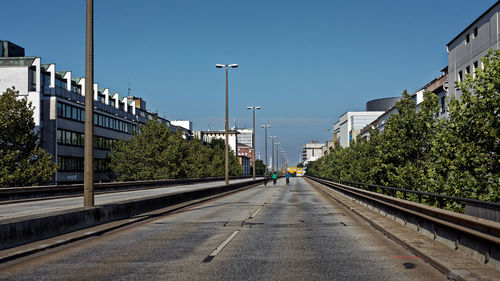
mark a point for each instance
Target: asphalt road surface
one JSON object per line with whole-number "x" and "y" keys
{"x": 263, "y": 233}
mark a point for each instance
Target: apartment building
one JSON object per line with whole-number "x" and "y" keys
{"x": 58, "y": 99}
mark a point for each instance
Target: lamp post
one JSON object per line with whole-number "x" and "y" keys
{"x": 88, "y": 166}
{"x": 253, "y": 108}
{"x": 277, "y": 156}
{"x": 227, "y": 66}
{"x": 272, "y": 145}
{"x": 265, "y": 127}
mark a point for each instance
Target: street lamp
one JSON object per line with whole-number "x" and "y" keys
{"x": 88, "y": 149}
{"x": 277, "y": 156}
{"x": 265, "y": 127}
{"x": 227, "y": 66}
{"x": 253, "y": 108}
{"x": 272, "y": 145}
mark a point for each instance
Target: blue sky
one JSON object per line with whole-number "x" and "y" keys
{"x": 304, "y": 62}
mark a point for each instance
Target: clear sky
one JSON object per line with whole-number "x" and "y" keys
{"x": 304, "y": 62}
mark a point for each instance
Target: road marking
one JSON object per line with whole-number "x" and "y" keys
{"x": 254, "y": 214}
{"x": 221, "y": 246}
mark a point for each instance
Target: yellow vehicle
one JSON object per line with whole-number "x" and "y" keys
{"x": 296, "y": 171}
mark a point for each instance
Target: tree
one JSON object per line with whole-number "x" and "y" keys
{"x": 260, "y": 168}
{"x": 300, "y": 165}
{"x": 22, "y": 160}
{"x": 156, "y": 152}
{"x": 467, "y": 146}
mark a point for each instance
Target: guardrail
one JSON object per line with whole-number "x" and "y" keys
{"x": 17, "y": 193}
{"x": 476, "y": 237}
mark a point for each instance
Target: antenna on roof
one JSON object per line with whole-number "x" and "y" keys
{"x": 129, "y": 90}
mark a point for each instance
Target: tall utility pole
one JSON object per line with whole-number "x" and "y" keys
{"x": 88, "y": 167}
{"x": 227, "y": 66}
{"x": 265, "y": 127}
{"x": 272, "y": 145}
{"x": 277, "y": 156}
{"x": 253, "y": 108}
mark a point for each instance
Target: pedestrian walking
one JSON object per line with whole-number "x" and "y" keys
{"x": 274, "y": 178}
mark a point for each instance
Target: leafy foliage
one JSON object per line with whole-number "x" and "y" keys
{"x": 156, "y": 152}
{"x": 457, "y": 156}
{"x": 22, "y": 160}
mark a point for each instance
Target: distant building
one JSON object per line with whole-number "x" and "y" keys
{"x": 349, "y": 125}
{"x": 245, "y": 154}
{"x": 208, "y": 136}
{"x": 245, "y": 150}
{"x": 186, "y": 124}
{"x": 245, "y": 136}
{"x": 312, "y": 152}
{"x": 469, "y": 46}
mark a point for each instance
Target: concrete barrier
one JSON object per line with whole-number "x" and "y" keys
{"x": 23, "y": 230}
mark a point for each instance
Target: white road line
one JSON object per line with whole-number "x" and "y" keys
{"x": 221, "y": 246}
{"x": 254, "y": 214}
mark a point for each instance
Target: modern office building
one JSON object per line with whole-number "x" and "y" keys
{"x": 208, "y": 136}
{"x": 245, "y": 136}
{"x": 349, "y": 125}
{"x": 58, "y": 99}
{"x": 311, "y": 152}
{"x": 469, "y": 46}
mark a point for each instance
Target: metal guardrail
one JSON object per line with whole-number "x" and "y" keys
{"x": 17, "y": 193}
{"x": 481, "y": 229}
{"x": 439, "y": 198}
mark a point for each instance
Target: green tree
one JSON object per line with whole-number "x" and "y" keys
{"x": 260, "y": 168}
{"x": 467, "y": 146}
{"x": 156, "y": 152}
{"x": 22, "y": 160}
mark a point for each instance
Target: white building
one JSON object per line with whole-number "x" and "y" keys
{"x": 312, "y": 152}
{"x": 208, "y": 136}
{"x": 245, "y": 136}
{"x": 186, "y": 124}
{"x": 349, "y": 125}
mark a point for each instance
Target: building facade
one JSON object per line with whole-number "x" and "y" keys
{"x": 245, "y": 154}
{"x": 58, "y": 100}
{"x": 349, "y": 125}
{"x": 208, "y": 136}
{"x": 245, "y": 137}
{"x": 469, "y": 46}
{"x": 311, "y": 152}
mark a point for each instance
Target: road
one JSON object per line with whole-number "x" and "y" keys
{"x": 15, "y": 210}
{"x": 278, "y": 233}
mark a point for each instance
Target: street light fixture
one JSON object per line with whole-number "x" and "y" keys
{"x": 253, "y": 108}
{"x": 265, "y": 127}
{"x": 227, "y": 66}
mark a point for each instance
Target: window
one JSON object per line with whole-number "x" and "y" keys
{"x": 474, "y": 67}
{"x": 467, "y": 39}
{"x": 78, "y": 114}
{"x": 443, "y": 104}
{"x": 467, "y": 70}
{"x": 475, "y": 32}
{"x": 460, "y": 76}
